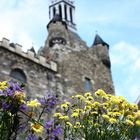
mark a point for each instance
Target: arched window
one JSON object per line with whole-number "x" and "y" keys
{"x": 65, "y": 9}
{"x": 19, "y": 75}
{"x": 87, "y": 84}
{"x": 60, "y": 11}
{"x": 54, "y": 11}
{"x": 71, "y": 18}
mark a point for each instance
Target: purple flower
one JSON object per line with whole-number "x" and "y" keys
{"x": 5, "y": 106}
{"x": 9, "y": 91}
{"x": 51, "y": 138}
{"x": 42, "y": 101}
{"x": 48, "y": 124}
{"x": 1, "y": 92}
{"x": 52, "y": 101}
{"x": 58, "y": 130}
{"x": 49, "y": 102}
{"x": 14, "y": 86}
{"x": 23, "y": 107}
{"x": 32, "y": 137}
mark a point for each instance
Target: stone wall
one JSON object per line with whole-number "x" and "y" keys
{"x": 36, "y": 68}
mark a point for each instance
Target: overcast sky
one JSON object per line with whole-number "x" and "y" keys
{"x": 116, "y": 21}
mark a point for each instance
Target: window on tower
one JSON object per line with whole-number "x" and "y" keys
{"x": 60, "y": 11}
{"x": 71, "y": 18}
{"x": 54, "y": 11}
{"x": 87, "y": 84}
{"x": 65, "y": 8}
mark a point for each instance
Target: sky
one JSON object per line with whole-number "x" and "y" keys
{"x": 116, "y": 21}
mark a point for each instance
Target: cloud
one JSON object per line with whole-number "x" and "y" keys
{"x": 137, "y": 64}
{"x": 125, "y": 60}
{"x": 23, "y": 20}
{"x": 124, "y": 53}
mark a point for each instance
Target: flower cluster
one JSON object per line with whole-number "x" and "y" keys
{"x": 99, "y": 116}
{"x": 11, "y": 101}
{"x": 29, "y": 117}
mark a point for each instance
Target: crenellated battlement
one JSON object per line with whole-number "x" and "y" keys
{"x": 17, "y": 48}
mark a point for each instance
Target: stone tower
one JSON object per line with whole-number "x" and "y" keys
{"x": 81, "y": 68}
{"x": 65, "y": 65}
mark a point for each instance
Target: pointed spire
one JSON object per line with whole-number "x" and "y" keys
{"x": 99, "y": 40}
{"x": 32, "y": 50}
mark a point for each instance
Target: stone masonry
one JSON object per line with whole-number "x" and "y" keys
{"x": 64, "y": 66}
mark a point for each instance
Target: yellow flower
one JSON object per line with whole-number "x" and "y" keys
{"x": 88, "y": 102}
{"x": 72, "y": 97}
{"x": 68, "y": 103}
{"x": 64, "y": 118}
{"x": 105, "y": 117}
{"x": 100, "y": 93}
{"x": 109, "y": 95}
{"x": 94, "y": 113}
{"x": 96, "y": 104}
{"x": 79, "y": 96}
{"x": 115, "y": 110}
{"x": 128, "y": 122}
{"x": 69, "y": 124}
{"x": 87, "y": 94}
{"x": 96, "y": 124}
{"x": 138, "y": 122}
{"x": 57, "y": 115}
{"x": 130, "y": 117}
{"x": 3, "y": 85}
{"x": 77, "y": 110}
{"x": 87, "y": 108}
{"x": 110, "y": 113}
{"x": 33, "y": 103}
{"x": 133, "y": 106}
{"x": 90, "y": 98}
{"x": 64, "y": 106}
{"x": 138, "y": 114}
{"x": 36, "y": 127}
{"x": 112, "y": 120}
{"x": 122, "y": 98}
{"x": 105, "y": 105}
{"x": 77, "y": 125}
{"x": 19, "y": 95}
{"x": 75, "y": 114}
{"x": 116, "y": 114}
{"x": 114, "y": 100}
{"x": 90, "y": 122}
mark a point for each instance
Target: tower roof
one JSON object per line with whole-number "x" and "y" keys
{"x": 56, "y": 18}
{"x": 99, "y": 40}
{"x": 32, "y": 49}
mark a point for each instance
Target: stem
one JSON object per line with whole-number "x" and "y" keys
{"x": 30, "y": 117}
{"x": 41, "y": 113}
